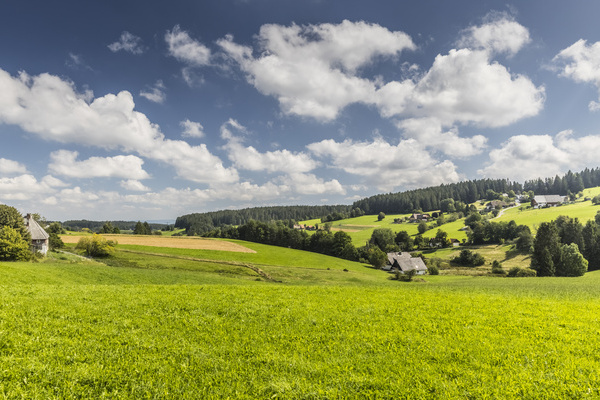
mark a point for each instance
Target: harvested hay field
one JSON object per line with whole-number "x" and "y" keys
{"x": 341, "y": 228}
{"x": 174, "y": 242}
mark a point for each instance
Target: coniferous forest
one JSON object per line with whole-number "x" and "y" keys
{"x": 425, "y": 199}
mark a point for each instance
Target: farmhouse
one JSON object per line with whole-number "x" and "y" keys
{"x": 549, "y": 200}
{"x": 404, "y": 262}
{"x": 39, "y": 237}
{"x": 419, "y": 217}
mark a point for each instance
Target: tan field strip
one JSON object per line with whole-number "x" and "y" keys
{"x": 344, "y": 229}
{"x": 174, "y": 242}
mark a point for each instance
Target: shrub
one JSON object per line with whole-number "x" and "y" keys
{"x": 469, "y": 259}
{"x": 12, "y": 245}
{"x": 96, "y": 246}
{"x": 518, "y": 272}
{"x": 497, "y": 268}
{"x": 405, "y": 277}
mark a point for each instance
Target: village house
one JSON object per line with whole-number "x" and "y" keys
{"x": 404, "y": 262}
{"x": 549, "y": 200}
{"x": 39, "y": 237}
{"x": 419, "y": 217}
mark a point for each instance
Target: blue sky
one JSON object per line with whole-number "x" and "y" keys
{"x": 150, "y": 110}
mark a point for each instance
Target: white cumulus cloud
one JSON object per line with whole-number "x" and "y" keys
{"x": 499, "y": 34}
{"x": 192, "y": 129}
{"x": 185, "y": 49}
{"x": 525, "y": 157}
{"x": 127, "y": 42}
{"x": 65, "y": 163}
{"x": 156, "y": 93}
{"x": 311, "y": 69}
{"x": 248, "y": 158}
{"x": 10, "y": 167}
{"x": 134, "y": 185}
{"x": 50, "y": 107}
{"x": 386, "y": 166}
{"x": 581, "y": 63}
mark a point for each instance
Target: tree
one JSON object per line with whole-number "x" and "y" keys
{"x": 525, "y": 241}
{"x": 572, "y": 261}
{"x": 341, "y": 241}
{"x": 441, "y": 238}
{"x": 383, "y": 238}
{"x": 55, "y": 242}
{"x": 546, "y": 250}
{"x": 381, "y": 216}
{"x": 12, "y": 245}
{"x": 591, "y": 247}
{"x": 55, "y": 227}
{"x": 9, "y": 216}
{"x": 144, "y": 228}
{"x": 96, "y": 246}
{"x": 422, "y": 228}
{"x": 107, "y": 228}
{"x": 404, "y": 241}
{"x": 377, "y": 258}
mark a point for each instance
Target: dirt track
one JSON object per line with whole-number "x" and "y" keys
{"x": 175, "y": 242}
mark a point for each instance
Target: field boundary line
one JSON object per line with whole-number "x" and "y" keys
{"x": 237, "y": 264}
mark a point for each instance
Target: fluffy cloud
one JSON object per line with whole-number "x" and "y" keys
{"x": 129, "y": 43}
{"x": 134, "y": 186}
{"x": 26, "y": 187}
{"x": 248, "y": 158}
{"x": 64, "y": 162}
{"x": 464, "y": 87}
{"x": 384, "y": 165}
{"x": 528, "y": 157}
{"x": 311, "y": 69}
{"x": 155, "y": 94}
{"x": 185, "y": 49}
{"x": 309, "y": 184}
{"x": 10, "y": 167}
{"x": 500, "y": 34}
{"x": 429, "y": 131}
{"x": 51, "y": 108}
{"x": 192, "y": 129}
{"x": 581, "y": 62}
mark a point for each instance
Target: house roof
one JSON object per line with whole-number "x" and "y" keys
{"x": 406, "y": 262}
{"x": 549, "y": 198}
{"x": 36, "y": 231}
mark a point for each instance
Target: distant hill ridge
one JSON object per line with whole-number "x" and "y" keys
{"x": 425, "y": 199}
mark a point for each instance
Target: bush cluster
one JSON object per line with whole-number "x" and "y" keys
{"x": 96, "y": 246}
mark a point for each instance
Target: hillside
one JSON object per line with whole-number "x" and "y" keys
{"x": 188, "y": 323}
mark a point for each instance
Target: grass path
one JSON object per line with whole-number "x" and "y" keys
{"x": 237, "y": 264}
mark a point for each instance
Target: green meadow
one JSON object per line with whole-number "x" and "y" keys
{"x": 155, "y": 322}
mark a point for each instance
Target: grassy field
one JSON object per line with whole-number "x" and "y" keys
{"x": 152, "y": 326}
{"x": 189, "y": 321}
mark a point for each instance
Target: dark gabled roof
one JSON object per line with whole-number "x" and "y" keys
{"x": 405, "y": 262}
{"x": 35, "y": 230}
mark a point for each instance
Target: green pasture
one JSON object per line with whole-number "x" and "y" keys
{"x": 360, "y": 229}
{"x": 148, "y": 326}
{"x": 583, "y": 210}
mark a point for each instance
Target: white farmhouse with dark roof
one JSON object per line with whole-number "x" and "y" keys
{"x": 404, "y": 262}
{"x": 549, "y": 200}
{"x": 39, "y": 237}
